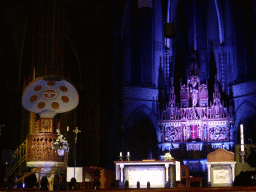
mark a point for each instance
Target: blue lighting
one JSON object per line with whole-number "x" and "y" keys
{"x": 201, "y": 161}
{"x": 219, "y": 21}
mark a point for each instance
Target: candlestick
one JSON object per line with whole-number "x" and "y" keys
{"x": 242, "y": 144}
{"x": 242, "y": 137}
{"x": 128, "y": 156}
{"x": 67, "y": 128}
{"x": 121, "y": 156}
{"x": 242, "y": 148}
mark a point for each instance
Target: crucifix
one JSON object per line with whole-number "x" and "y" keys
{"x": 76, "y": 131}
{"x": 193, "y": 132}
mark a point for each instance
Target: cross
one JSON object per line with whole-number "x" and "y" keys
{"x": 76, "y": 131}
{"x": 193, "y": 133}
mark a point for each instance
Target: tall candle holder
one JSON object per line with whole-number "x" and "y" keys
{"x": 121, "y": 157}
{"x": 242, "y": 144}
{"x": 128, "y": 156}
{"x": 242, "y": 157}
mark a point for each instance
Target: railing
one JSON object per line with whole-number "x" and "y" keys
{"x": 39, "y": 147}
{"x": 23, "y": 177}
{"x": 19, "y": 153}
{"x": 19, "y": 157}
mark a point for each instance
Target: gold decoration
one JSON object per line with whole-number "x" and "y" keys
{"x": 46, "y": 125}
{"x": 40, "y": 147}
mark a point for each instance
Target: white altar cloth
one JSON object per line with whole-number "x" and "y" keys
{"x": 158, "y": 173}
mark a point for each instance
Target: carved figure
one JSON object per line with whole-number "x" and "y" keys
{"x": 205, "y": 133}
{"x": 194, "y": 97}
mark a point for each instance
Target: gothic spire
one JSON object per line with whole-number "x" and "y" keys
{"x": 172, "y": 95}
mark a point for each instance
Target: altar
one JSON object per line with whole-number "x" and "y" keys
{"x": 157, "y": 174}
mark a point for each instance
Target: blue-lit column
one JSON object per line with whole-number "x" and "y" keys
{"x": 158, "y": 43}
{"x": 203, "y": 164}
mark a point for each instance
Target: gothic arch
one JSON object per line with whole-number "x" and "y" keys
{"x": 139, "y": 134}
{"x": 141, "y": 109}
{"x": 244, "y": 113}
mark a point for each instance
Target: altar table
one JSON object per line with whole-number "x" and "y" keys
{"x": 160, "y": 174}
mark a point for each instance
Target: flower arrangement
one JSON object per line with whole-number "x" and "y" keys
{"x": 61, "y": 143}
{"x": 168, "y": 156}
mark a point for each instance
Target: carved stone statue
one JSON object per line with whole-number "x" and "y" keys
{"x": 199, "y": 131}
{"x": 205, "y": 133}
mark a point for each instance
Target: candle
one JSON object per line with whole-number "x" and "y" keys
{"x": 242, "y": 137}
{"x": 128, "y": 153}
{"x": 120, "y": 154}
{"x": 67, "y": 128}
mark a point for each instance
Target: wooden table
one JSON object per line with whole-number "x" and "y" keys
{"x": 195, "y": 179}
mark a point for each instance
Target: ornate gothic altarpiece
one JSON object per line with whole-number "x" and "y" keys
{"x": 197, "y": 121}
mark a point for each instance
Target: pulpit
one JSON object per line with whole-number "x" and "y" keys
{"x": 158, "y": 174}
{"x": 221, "y": 168}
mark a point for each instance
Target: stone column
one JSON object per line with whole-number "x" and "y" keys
{"x": 172, "y": 181}
{"x": 233, "y": 172}
{"x": 166, "y": 175}
{"x": 122, "y": 174}
{"x": 209, "y": 174}
{"x": 117, "y": 172}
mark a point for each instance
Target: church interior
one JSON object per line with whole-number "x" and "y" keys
{"x": 146, "y": 77}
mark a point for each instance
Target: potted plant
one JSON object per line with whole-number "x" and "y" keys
{"x": 60, "y": 145}
{"x": 168, "y": 157}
